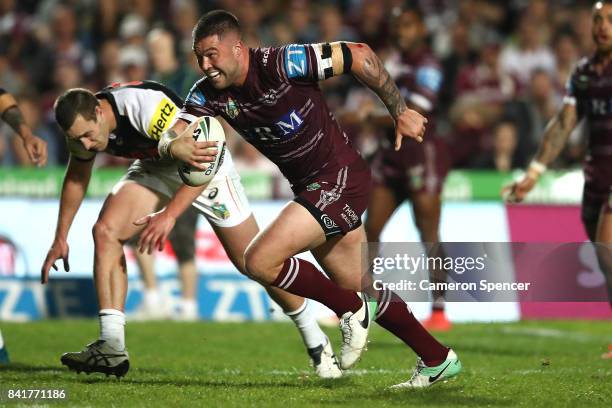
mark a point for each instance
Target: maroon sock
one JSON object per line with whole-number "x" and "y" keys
{"x": 302, "y": 278}
{"x": 395, "y": 315}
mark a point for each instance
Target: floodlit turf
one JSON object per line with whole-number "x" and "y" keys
{"x": 210, "y": 364}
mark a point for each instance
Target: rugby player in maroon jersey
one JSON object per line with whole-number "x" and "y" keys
{"x": 35, "y": 147}
{"x": 272, "y": 98}
{"x": 588, "y": 97}
{"x": 417, "y": 171}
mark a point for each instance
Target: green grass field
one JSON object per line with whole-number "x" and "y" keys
{"x": 210, "y": 364}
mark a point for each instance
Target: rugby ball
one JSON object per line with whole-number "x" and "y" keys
{"x": 203, "y": 129}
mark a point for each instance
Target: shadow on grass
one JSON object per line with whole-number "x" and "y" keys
{"x": 446, "y": 395}
{"x": 28, "y": 368}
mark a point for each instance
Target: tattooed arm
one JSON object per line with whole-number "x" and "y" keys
{"x": 556, "y": 134}
{"x": 34, "y": 146}
{"x": 555, "y": 137}
{"x": 343, "y": 57}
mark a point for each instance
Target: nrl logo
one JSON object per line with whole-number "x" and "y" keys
{"x": 231, "y": 108}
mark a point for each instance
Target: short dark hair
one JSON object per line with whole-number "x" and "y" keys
{"x": 72, "y": 103}
{"x": 216, "y": 22}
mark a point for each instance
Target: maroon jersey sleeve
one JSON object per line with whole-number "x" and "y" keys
{"x": 308, "y": 62}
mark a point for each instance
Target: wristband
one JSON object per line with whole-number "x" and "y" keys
{"x": 163, "y": 147}
{"x": 537, "y": 167}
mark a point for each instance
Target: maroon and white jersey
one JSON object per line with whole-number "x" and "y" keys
{"x": 281, "y": 111}
{"x": 591, "y": 93}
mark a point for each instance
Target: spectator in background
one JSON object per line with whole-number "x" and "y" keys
{"x": 370, "y": 24}
{"x": 528, "y": 52}
{"x": 184, "y": 16}
{"x": 503, "y": 157}
{"x": 109, "y": 67}
{"x": 461, "y": 55}
{"x": 134, "y": 63}
{"x": 566, "y": 51}
{"x": 14, "y": 28}
{"x": 166, "y": 67}
{"x": 482, "y": 91}
{"x": 581, "y": 22}
{"x": 301, "y": 22}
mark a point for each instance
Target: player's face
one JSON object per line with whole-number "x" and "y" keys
{"x": 602, "y": 27}
{"x": 410, "y": 31}
{"x": 92, "y": 134}
{"x": 218, "y": 59}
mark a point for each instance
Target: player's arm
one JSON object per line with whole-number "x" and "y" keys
{"x": 159, "y": 224}
{"x": 35, "y": 146}
{"x": 364, "y": 64}
{"x": 74, "y": 188}
{"x": 176, "y": 144}
{"x": 555, "y": 137}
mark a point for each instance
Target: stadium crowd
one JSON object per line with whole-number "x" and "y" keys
{"x": 504, "y": 63}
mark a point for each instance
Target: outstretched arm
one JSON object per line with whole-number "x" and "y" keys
{"x": 74, "y": 188}
{"x": 555, "y": 137}
{"x": 359, "y": 60}
{"x": 159, "y": 224}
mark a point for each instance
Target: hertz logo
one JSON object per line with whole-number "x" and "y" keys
{"x": 164, "y": 113}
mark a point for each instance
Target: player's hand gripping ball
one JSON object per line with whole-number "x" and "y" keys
{"x": 204, "y": 129}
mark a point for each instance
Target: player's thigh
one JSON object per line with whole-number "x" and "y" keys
{"x": 426, "y": 207}
{"x": 603, "y": 239}
{"x": 127, "y": 202}
{"x": 236, "y": 239}
{"x": 382, "y": 204}
{"x": 343, "y": 257}
{"x": 293, "y": 231}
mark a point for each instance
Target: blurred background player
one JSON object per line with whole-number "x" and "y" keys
{"x": 166, "y": 69}
{"x": 588, "y": 97}
{"x": 417, "y": 171}
{"x": 35, "y": 147}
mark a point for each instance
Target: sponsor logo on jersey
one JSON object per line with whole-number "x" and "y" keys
{"x": 196, "y": 97}
{"x": 295, "y": 60}
{"x": 328, "y": 222}
{"x": 290, "y": 123}
{"x": 164, "y": 113}
{"x": 266, "y": 54}
{"x": 231, "y": 109}
{"x": 313, "y": 187}
{"x": 349, "y": 216}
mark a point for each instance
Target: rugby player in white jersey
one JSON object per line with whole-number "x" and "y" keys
{"x": 127, "y": 120}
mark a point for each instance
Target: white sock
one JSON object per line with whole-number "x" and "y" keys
{"x": 306, "y": 323}
{"x": 152, "y": 298}
{"x": 112, "y": 328}
{"x": 1, "y": 341}
{"x": 189, "y": 307}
